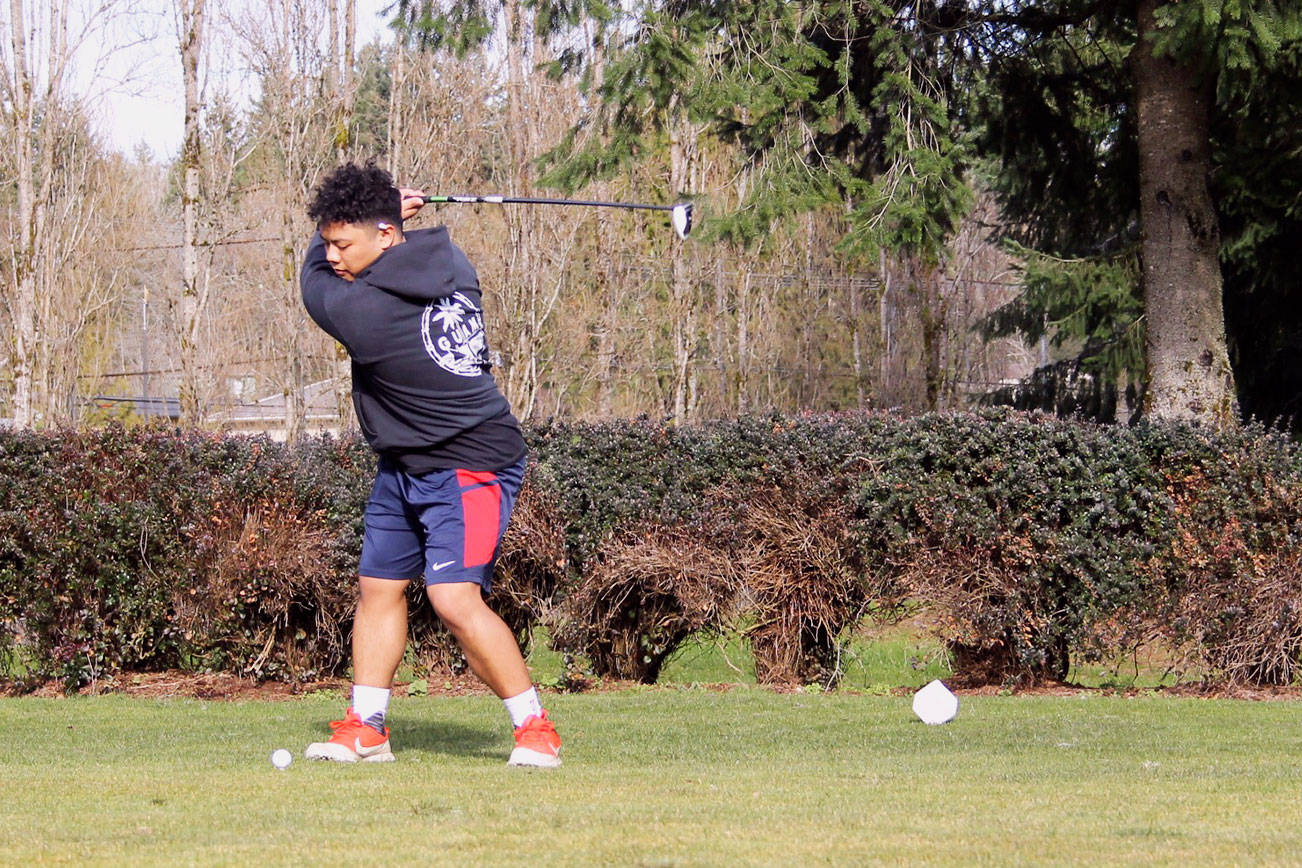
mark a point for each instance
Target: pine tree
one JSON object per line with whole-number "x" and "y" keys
{"x": 1104, "y": 120}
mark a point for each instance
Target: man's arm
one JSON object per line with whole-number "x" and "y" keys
{"x": 317, "y": 280}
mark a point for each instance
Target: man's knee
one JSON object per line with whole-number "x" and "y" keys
{"x": 456, "y": 603}
{"x": 381, "y": 593}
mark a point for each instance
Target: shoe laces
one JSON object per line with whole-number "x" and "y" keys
{"x": 350, "y": 721}
{"x": 536, "y": 723}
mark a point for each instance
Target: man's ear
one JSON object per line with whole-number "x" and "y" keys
{"x": 388, "y": 233}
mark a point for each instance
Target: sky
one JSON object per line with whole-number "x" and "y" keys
{"x": 135, "y": 93}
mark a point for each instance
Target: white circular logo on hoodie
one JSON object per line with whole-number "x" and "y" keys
{"x": 452, "y": 329}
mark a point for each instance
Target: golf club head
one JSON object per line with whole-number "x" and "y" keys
{"x": 682, "y": 218}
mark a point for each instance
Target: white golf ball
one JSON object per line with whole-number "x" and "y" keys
{"x": 281, "y": 758}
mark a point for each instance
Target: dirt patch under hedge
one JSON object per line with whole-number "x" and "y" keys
{"x": 220, "y": 686}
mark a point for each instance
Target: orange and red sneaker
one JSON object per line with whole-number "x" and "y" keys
{"x": 353, "y": 741}
{"x": 536, "y": 743}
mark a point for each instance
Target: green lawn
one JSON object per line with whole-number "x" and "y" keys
{"x": 873, "y": 660}
{"x": 877, "y": 661}
{"x": 660, "y": 776}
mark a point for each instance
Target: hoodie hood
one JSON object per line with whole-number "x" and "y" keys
{"x": 426, "y": 266}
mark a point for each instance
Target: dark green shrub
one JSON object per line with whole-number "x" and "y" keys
{"x": 90, "y": 536}
{"x": 1015, "y": 532}
{"x": 149, "y": 548}
{"x": 1231, "y": 569}
{"x": 1026, "y": 541}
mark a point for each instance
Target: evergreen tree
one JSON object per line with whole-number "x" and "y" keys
{"x": 1082, "y": 175}
{"x": 1257, "y": 148}
{"x": 829, "y": 104}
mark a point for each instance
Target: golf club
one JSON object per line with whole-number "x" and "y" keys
{"x": 680, "y": 214}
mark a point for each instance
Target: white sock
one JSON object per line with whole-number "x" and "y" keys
{"x": 371, "y": 704}
{"x": 522, "y": 706}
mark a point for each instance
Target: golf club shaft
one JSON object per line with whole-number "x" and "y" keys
{"x": 681, "y": 218}
{"x": 529, "y": 200}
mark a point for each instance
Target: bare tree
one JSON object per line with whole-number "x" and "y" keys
{"x": 524, "y": 271}
{"x": 522, "y": 284}
{"x": 294, "y": 131}
{"x": 20, "y": 92}
{"x": 343, "y": 80}
{"x": 53, "y": 161}
{"x": 346, "y": 62}
{"x": 596, "y": 313}
{"x": 194, "y": 295}
{"x": 683, "y": 136}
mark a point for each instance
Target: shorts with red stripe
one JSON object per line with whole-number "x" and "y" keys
{"x": 444, "y": 525}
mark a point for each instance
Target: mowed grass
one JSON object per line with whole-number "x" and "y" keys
{"x": 876, "y": 661}
{"x": 660, "y": 776}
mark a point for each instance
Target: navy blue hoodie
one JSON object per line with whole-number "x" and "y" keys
{"x": 414, "y": 326}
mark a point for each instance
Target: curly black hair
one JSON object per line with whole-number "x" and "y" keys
{"x": 356, "y": 194}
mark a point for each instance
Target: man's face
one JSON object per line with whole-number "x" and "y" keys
{"x": 352, "y": 247}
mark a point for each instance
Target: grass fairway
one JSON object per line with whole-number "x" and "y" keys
{"x": 660, "y": 777}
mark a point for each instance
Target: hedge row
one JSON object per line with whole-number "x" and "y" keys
{"x": 1025, "y": 542}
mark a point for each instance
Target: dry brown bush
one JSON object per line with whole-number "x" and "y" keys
{"x": 1238, "y": 607}
{"x": 987, "y": 614}
{"x": 803, "y": 575}
{"x": 779, "y": 563}
{"x": 531, "y": 563}
{"x": 647, "y": 592}
{"x": 267, "y": 600}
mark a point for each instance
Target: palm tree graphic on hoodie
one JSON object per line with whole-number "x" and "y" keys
{"x": 452, "y": 329}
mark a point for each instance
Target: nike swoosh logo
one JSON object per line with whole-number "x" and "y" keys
{"x": 436, "y": 567}
{"x": 362, "y": 750}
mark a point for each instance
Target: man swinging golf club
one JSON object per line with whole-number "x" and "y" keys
{"x": 407, "y": 308}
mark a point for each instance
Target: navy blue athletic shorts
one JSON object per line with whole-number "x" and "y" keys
{"x": 444, "y": 525}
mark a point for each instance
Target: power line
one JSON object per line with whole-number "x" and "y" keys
{"x": 210, "y": 367}
{"x": 206, "y": 244}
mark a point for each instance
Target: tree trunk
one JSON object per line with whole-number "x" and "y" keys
{"x": 191, "y": 37}
{"x": 522, "y": 290}
{"x": 1189, "y": 375}
{"x": 933, "y": 315}
{"x": 885, "y": 331}
{"x": 343, "y": 67}
{"x": 682, "y": 153}
{"x": 295, "y": 381}
{"x": 856, "y": 349}
{"x": 47, "y": 260}
{"x": 343, "y": 70}
{"x": 332, "y": 36}
{"x": 397, "y": 85}
{"x": 24, "y": 276}
{"x": 744, "y": 298}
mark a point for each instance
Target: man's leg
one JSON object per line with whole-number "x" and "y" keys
{"x": 379, "y": 639}
{"x": 494, "y": 655}
{"x": 379, "y": 631}
{"x": 489, "y": 645}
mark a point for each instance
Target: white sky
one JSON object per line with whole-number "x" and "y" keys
{"x": 136, "y": 94}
